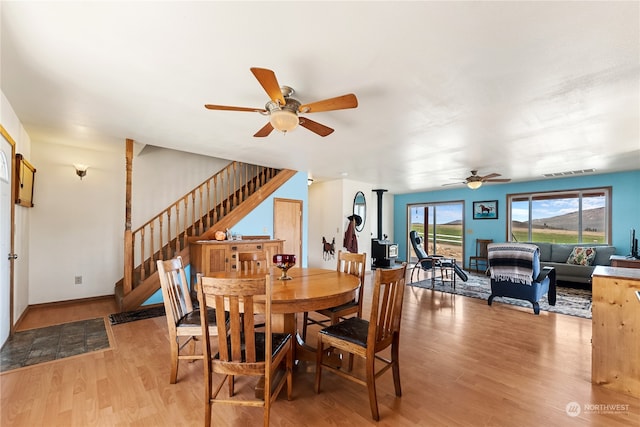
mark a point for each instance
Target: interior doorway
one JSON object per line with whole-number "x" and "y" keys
{"x": 7, "y": 153}
{"x": 287, "y": 226}
{"x": 441, "y": 226}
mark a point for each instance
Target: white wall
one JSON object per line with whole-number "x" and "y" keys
{"x": 12, "y": 125}
{"x": 330, "y": 203}
{"x": 77, "y": 226}
{"x": 167, "y": 172}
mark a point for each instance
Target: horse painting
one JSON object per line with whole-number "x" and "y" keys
{"x": 486, "y": 209}
{"x": 328, "y": 249}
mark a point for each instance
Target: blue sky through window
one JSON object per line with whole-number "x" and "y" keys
{"x": 444, "y": 214}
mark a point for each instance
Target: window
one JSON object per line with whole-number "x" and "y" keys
{"x": 440, "y": 225}
{"x": 576, "y": 216}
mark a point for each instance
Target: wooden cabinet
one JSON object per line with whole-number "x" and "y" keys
{"x": 624, "y": 262}
{"x": 211, "y": 256}
{"x": 615, "y": 354}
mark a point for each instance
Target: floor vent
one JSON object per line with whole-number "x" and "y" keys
{"x": 568, "y": 173}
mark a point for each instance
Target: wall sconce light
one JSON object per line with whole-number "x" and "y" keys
{"x": 81, "y": 170}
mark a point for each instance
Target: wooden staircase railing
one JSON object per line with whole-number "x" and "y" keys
{"x": 191, "y": 217}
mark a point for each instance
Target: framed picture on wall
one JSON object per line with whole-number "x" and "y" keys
{"x": 25, "y": 174}
{"x": 485, "y": 210}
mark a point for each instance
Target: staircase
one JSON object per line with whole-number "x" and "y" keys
{"x": 218, "y": 203}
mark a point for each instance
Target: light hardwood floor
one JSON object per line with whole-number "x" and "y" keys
{"x": 463, "y": 363}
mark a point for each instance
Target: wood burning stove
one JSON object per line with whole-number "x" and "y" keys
{"x": 383, "y": 252}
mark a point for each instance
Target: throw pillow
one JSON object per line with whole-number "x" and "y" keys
{"x": 582, "y": 256}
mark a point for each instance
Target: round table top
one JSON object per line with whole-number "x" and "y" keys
{"x": 309, "y": 289}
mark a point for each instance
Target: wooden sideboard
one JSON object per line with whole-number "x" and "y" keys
{"x": 211, "y": 256}
{"x": 623, "y": 261}
{"x": 615, "y": 342}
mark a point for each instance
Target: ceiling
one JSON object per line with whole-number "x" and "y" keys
{"x": 518, "y": 88}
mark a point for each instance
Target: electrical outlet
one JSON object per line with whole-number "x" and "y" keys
{"x": 78, "y": 280}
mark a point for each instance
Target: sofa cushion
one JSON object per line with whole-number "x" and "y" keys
{"x": 560, "y": 253}
{"x": 545, "y": 250}
{"x": 582, "y": 255}
{"x": 603, "y": 253}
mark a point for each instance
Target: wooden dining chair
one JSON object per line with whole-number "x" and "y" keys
{"x": 367, "y": 339}
{"x": 481, "y": 256}
{"x": 351, "y": 263}
{"x": 241, "y": 349}
{"x": 252, "y": 262}
{"x": 183, "y": 320}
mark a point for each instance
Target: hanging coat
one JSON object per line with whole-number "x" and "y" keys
{"x": 350, "y": 238}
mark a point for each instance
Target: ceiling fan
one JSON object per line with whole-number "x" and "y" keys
{"x": 283, "y": 110}
{"x": 475, "y": 181}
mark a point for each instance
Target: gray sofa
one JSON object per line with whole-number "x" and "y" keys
{"x": 556, "y": 254}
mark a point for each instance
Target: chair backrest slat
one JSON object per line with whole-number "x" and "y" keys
{"x": 175, "y": 289}
{"x": 386, "y": 305}
{"x": 236, "y": 337}
{"x": 353, "y": 263}
{"x": 252, "y": 262}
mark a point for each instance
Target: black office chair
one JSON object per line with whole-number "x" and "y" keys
{"x": 426, "y": 262}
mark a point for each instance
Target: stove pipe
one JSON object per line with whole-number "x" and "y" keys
{"x": 380, "y": 192}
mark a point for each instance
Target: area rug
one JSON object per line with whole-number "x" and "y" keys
{"x": 40, "y": 345}
{"x": 131, "y": 316}
{"x": 570, "y": 301}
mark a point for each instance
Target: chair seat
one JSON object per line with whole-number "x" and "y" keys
{"x": 353, "y": 329}
{"x": 278, "y": 341}
{"x": 193, "y": 318}
{"x": 350, "y": 304}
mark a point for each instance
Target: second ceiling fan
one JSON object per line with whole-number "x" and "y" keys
{"x": 283, "y": 110}
{"x": 475, "y": 181}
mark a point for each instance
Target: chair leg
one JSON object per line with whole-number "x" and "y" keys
{"x": 290, "y": 373}
{"x": 192, "y": 347}
{"x": 371, "y": 387}
{"x": 207, "y": 394}
{"x": 267, "y": 410}
{"x": 319, "y": 352}
{"x": 305, "y": 319}
{"x": 395, "y": 359}
{"x": 173, "y": 376}
{"x": 536, "y": 308}
{"x": 231, "y": 381}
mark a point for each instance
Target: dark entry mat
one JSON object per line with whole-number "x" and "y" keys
{"x": 130, "y": 316}
{"x": 40, "y": 345}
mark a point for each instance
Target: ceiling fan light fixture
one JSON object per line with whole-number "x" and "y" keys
{"x": 474, "y": 185}
{"x": 283, "y": 120}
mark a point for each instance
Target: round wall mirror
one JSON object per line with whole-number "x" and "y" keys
{"x": 360, "y": 209}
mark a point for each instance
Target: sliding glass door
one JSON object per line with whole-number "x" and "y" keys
{"x": 441, "y": 226}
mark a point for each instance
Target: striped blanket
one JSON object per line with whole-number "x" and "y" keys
{"x": 512, "y": 262}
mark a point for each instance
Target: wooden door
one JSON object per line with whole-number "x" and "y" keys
{"x": 7, "y": 151}
{"x": 287, "y": 226}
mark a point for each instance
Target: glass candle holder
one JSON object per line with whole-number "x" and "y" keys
{"x": 284, "y": 262}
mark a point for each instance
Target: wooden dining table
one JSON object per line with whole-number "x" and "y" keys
{"x": 309, "y": 289}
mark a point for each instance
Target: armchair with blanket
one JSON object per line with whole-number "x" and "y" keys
{"x": 515, "y": 273}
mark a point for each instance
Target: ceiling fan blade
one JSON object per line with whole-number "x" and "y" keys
{"x": 454, "y": 183}
{"x": 229, "y": 108}
{"x": 269, "y": 83}
{"x": 497, "y": 180}
{"x": 491, "y": 175}
{"x": 265, "y": 131}
{"x": 337, "y": 103}
{"x": 315, "y": 127}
